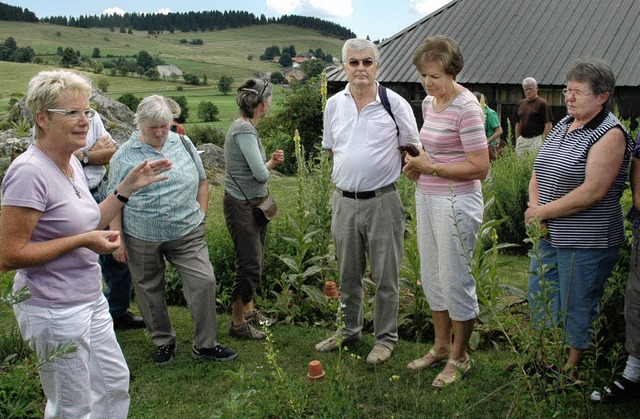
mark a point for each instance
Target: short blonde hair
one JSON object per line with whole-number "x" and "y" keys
{"x": 47, "y": 87}
{"x": 176, "y": 110}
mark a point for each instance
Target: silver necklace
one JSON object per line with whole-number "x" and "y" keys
{"x": 71, "y": 179}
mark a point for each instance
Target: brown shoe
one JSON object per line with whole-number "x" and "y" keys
{"x": 246, "y": 331}
{"x": 257, "y": 318}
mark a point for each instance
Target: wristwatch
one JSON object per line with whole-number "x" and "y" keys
{"x": 85, "y": 158}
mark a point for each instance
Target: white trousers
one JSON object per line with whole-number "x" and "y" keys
{"x": 446, "y": 243}
{"x": 92, "y": 382}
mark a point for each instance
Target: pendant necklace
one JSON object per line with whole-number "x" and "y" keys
{"x": 71, "y": 179}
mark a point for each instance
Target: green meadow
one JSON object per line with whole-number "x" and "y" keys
{"x": 225, "y": 52}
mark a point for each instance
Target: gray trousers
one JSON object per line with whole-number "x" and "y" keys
{"x": 190, "y": 256}
{"x": 373, "y": 227}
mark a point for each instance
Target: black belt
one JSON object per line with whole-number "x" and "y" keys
{"x": 367, "y": 194}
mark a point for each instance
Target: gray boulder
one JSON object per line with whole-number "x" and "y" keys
{"x": 119, "y": 121}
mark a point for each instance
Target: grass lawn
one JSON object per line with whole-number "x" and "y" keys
{"x": 268, "y": 379}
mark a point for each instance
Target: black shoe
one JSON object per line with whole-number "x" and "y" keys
{"x": 619, "y": 390}
{"x": 165, "y": 354}
{"x": 219, "y": 353}
{"x": 129, "y": 321}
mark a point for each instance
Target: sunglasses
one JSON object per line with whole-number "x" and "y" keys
{"x": 266, "y": 83}
{"x": 367, "y": 62}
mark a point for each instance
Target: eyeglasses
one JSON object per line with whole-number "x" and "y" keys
{"x": 75, "y": 113}
{"x": 266, "y": 83}
{"x": 367, "y": 62}
{"x": 578, "y": 94}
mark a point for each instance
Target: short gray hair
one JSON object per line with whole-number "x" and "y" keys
{"x": 46, "y": 88}
{"x": 154, "y": 108}
{"x": 359, "y": 44}
{"x": 529, "y": 81}
{"x": 597, "y": 73}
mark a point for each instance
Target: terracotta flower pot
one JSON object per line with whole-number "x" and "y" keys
{"x": 316, "y": 372}
{"x": 330, "y": 289}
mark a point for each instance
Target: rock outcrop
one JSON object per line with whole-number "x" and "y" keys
{"x": 118, "y": 119}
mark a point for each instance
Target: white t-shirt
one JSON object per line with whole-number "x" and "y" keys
{"x": 95, "y": 173}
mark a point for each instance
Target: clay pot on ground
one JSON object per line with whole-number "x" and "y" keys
{"x": 330, "y": 289}
{"x": 315, "y": 371}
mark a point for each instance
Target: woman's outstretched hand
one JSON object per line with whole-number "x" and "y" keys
{"x": 143, "y": 175}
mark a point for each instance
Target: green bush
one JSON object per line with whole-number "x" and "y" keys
{"x": 206, "y": 134}
{"x": 207, "y": 111}
{"x": 509, "y": 186}
{"x": 301, "y": 110}
{"x": 224, "y": 84}
{"x": 130, "y": 100}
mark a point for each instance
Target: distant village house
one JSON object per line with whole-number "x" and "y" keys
{"x": 166, "y": 71}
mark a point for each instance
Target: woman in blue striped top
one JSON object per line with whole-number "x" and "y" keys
{"x": 168, "y": 223}
{"x": 578, "y": 179}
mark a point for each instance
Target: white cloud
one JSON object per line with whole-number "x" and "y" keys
{"x": 329, "y": 8}
{"x": 337, "y": 8}
{"x": 163, "y": 11}
{"x": 424, "y": 7}
{"x": 113, "y": 11}
{"x": 284, "y": 7}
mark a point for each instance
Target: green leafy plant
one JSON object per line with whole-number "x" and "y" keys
{"x": 22, "y": 127}
{"x": 509, "y": 187}
{"x": 308, "y": 260}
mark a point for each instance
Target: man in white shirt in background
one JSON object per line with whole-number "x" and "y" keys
{"x": 93, "y": 156}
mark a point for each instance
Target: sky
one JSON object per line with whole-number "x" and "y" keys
{"x": 378, "y": 19}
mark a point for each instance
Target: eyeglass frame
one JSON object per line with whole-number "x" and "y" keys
{"x": 576, "y": 93}
{"x": 88, "y": 113}
{"x": 366, "y": 63}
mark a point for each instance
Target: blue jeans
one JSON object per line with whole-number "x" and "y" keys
{"x": 571, "y": 289}
{"x": 117, "y": 278}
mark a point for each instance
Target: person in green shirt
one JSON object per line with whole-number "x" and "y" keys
{"x": 492, "y": 127}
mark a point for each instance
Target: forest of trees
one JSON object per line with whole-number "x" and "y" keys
{"x": 172, "y": 22}
{"x": 13, "y": 13}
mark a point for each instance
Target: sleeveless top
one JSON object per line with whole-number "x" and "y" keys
{"x": 560, "y": 168}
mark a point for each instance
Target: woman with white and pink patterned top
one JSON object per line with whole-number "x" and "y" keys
{"x": 449, "y": 203}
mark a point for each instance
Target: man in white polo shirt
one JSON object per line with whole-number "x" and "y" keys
{"x": 363, "y": 129}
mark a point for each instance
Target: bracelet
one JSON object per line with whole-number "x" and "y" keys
{"x": 434, "y": 169}
{"x": 120, "y": 198}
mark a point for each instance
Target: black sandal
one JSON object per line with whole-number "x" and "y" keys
{"x": 619, "y": 390}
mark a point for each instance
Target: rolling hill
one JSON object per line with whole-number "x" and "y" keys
{"x": 224, "y": 52}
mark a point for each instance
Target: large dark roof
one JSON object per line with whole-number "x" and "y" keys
{"x": 504, "y": 41}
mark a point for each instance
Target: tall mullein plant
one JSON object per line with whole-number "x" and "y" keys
{"x": 303, "y": 266}
{"x": 323, "y": 89}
